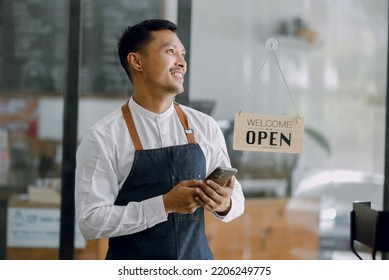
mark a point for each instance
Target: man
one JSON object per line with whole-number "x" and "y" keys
{"x": 140, "y": 170}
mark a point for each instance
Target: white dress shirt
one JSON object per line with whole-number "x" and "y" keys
{"x": 104, "y": 160}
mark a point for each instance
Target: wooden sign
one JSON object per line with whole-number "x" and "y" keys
{"x": 268, "y": 133}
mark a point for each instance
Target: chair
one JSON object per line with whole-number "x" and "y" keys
{"x": 369, "y": 227}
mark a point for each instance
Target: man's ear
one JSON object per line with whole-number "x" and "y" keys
{"x": 134, "y": 61}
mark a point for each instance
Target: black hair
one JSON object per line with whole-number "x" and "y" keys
{"x": 134, "y": 38}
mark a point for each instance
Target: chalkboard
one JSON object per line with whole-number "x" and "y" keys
{"x": 33, "y": 44}
{"x": 103, "y": 24}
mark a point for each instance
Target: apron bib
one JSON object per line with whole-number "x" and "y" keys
{"x": 155, "y": 172}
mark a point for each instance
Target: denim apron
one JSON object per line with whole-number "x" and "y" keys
{"x": 155, "y": 172}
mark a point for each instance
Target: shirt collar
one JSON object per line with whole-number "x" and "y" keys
{"x": 148, "y": 114}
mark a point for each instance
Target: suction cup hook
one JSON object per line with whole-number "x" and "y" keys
{"x": 271, "y": 44}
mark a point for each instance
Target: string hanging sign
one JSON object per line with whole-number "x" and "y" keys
{"x": 269, "y": 133}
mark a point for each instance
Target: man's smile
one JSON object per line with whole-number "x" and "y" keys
{"x": 178, "y": 74}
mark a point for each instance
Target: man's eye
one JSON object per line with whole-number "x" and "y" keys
{"x": 170, "y": 51}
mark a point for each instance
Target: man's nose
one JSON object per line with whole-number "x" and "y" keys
{"x": 181, "y": 61}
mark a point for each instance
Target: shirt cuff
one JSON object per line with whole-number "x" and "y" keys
{"x": 154, "y": 211}
{"x": 230, "y": 216}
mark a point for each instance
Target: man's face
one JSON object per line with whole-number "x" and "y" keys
{"x": 163, "y": 62}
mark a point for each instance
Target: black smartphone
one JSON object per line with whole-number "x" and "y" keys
{"x": 222, "y": 174}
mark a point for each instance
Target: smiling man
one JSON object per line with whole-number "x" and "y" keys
{"x": 141, "y": 169}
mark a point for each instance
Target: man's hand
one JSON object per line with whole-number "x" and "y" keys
{"x": 214, "y": 197}
{"x": 181, "y": 198}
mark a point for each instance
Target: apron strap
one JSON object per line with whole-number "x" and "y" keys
{"x": 184, "y": 121}
{"x": 134, "y": 134}
{"x": 131, "y": 127}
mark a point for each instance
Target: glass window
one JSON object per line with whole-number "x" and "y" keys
{"x": 33, "y": 66}
{"x": 333, "y": 55}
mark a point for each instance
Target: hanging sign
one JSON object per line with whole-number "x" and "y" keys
{"x": 268, "y": 133}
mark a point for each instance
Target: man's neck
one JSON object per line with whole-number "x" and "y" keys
{"x": 155, "y": 104}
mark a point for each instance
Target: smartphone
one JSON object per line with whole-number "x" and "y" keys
{"x": 222, "y": 174}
